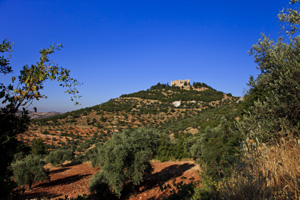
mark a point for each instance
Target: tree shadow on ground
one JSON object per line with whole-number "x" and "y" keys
{"x": 64, "y": 181}
{"x": 40, "y": 196}
{"x": 153, "y": 180}
{"x": 59, "y": 170}
{"x": 165, "y": 175}
{"x": 73, "y": 164}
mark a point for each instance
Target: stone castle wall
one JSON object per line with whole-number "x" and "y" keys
{"x": 180, "y": 83}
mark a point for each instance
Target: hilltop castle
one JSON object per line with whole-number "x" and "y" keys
{"x": 180, "y": 83}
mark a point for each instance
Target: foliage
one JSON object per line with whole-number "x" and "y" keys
{"x": 38, "y": 147}
{"x": 10, "y": 125}
{"x": 271, "y": 125}
{"x": 253, "y": 95}
{"x": 217, "y": 148}
{"x": 60, "y": 156}
{"x": 31, "y": 80}
{"x": 112, "y": 106}
{"x": 125, "y": 158}
{"x": 18, "y": 96}
{"x": 160, "y": 86}
{"x": 290, "y": 16}
{"x": 179, "y": 190}
{"x": 208, "y": 117}
{"x": 200, "y": 85}
{"x": 92, "y": 154}
{"x": 168, "y": 149}
{"x": 204, "y": 192}
{"x": 29, "y": 170}
{"x": 175, "y": 94}
{"x": 99, "y": 184}
{"x": 279, "y": 81}
{"x": 79, "y": 158}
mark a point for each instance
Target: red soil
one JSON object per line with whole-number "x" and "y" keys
{"x": 73, "y": 180}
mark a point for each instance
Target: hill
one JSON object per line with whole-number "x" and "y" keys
{"x": 147, "y": 108}
{"x": 41, "y": 115}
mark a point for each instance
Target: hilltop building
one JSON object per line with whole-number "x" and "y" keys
{"x": 177, "y": 103}
{"x": 180, "y": 83}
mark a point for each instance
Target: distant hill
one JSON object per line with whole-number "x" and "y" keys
{"x": 41, "y": 115}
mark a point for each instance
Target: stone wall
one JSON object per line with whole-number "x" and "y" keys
{"x": 180, "y": 83}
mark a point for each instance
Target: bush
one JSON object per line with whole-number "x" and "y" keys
{"x": 29, "y": 170}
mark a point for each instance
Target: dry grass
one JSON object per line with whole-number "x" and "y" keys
{"x": 269, "y": 172}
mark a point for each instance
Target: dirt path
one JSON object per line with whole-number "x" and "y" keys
{"x": 73, "y": 180}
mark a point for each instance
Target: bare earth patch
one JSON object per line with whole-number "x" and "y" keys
{"x": 73, "y": 180}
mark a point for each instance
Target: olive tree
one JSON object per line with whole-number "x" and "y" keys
{"x": 60, "y": 156}
{"x": 124, "y": 159}
{"x": 29, "y": 171}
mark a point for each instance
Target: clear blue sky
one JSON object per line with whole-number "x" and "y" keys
{"x": 119, "y": 47}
